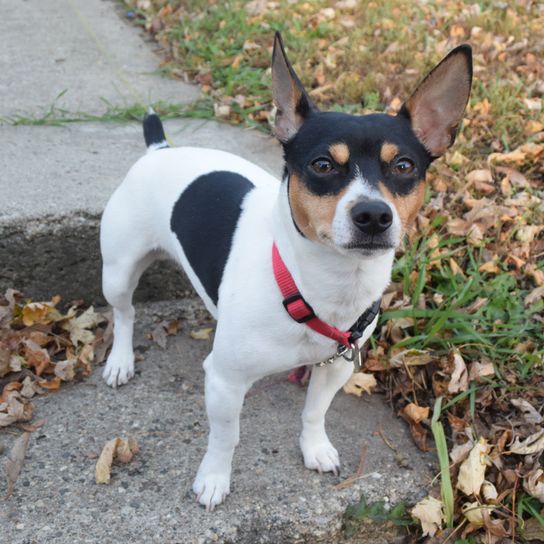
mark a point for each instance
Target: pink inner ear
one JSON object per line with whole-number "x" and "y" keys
{"x": 433, "y": 130}
{"x": 437, "y": 105}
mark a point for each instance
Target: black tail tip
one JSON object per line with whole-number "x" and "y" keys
{"x": 153, "y": 131}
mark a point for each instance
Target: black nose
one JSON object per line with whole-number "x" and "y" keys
{"x": 372, "y": 216}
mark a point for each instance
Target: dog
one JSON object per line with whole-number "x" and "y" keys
{"x": 286, "y": 267}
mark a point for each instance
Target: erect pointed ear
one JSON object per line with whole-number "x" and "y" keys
{"x": 291, "y": 100}
{"x": 436, "y": 107}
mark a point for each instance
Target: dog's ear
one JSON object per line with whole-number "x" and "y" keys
{"x": 436, "y": 107}
{"x": 291, "y": 100}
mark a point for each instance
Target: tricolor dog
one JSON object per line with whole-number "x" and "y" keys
{"x": 292, "y": 270}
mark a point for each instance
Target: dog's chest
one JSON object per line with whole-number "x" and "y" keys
{"x": 204, "y": 220}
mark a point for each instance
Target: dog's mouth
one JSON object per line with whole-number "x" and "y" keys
{"x": 368, "y": 248}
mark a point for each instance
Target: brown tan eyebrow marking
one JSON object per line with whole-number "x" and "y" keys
{"x": 339, "y": 152}
{"x": 388, "y": 152}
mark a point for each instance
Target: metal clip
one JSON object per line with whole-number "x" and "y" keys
{"x": 350, "y": 354}
{"x": 357, "y": 359}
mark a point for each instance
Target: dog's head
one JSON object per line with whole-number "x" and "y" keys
{"x": 356, "y": 182}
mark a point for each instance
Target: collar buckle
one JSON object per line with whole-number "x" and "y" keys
{"x": 298, "y": 308}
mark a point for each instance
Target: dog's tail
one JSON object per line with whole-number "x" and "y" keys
{"x": 154, "y": 132}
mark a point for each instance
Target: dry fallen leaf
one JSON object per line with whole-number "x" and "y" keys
{"x": 472, "y": 470}
{"x": 14, "y": 464}
{"x": 533, "y": 483}
{"x": 429, "y": 513}
{"x": 489, "y": 492}
{"x": 460, "y": 452}
{"x": 118, "y": 448}
{"x": 78, "y": 327}
{"x": 359, "y": 382}
{"x": 473, "y": 511}
{"x": 530, "y": 414}
{"x": 102, "y": 472}
{"x": 416, "y": 413}
{"x": 532, "y": 444}
{"x": 479, "y": 370}
{"x": 459, "y": 377}
{"x": 201, "y": 334}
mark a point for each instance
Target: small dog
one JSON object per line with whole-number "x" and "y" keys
{"x": 285, "y": 267}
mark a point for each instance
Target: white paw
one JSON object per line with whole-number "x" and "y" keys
{"x": 321, "y": 456}
{"x": 211, "y": 489}
{"x": 119, "y": 368}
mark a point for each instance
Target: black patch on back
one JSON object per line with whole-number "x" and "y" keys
{"x": 204, "y": 219}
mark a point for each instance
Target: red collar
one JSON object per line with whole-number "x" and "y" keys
{"x": 299, "y": 309}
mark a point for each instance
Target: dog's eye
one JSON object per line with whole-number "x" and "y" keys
{"x": 403, "y": 166}
{"x": 322, "y": 166}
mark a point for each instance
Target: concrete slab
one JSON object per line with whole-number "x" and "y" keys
{"x": 76, "y": 167}
{"x": 274, "y": 498}
{"x": 82, "y": 47}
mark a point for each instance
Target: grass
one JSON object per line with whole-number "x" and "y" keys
{"x": 494, "y": 331}
{"x": 56, "y": 116}
{"x": 446, "y": 489}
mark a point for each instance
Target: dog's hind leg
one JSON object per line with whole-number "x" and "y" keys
{"x": 319, "y": 454}
{"x": 126, "y": 252}
{"x": 119, "y": 280}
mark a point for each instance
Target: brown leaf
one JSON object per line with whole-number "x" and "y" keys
{"x": 102, "y": 471}
{"x": 415, "y": 413}
{"x": 65, "y": 370}
{"x": 535, "y": 295}
{"x": 457, "y": 227}
{"x": 360, "y": 382}
{"x": 430, "y": 515}
{"x": 201, "y": 334}
{"x": 126, "y": 449}
{"x": 530, "y": 414}
{"x": 39, "y": 313}
{"x": 30, "y": 388}
{"x": 37, "y": 357}
{"x": 533, "y": 483}
{"x": 14, "y": 464}
{"x": 482, "y": 176}
{"x": 532, "y": 444}
{"x": 123, "y": 449}
{"x": 419, "y": 436}
{"x": 459, "y": 377}
{"x": 79, "y": 327}
{"x": 479, "y": 370}
{"x": 51, "y": 385}
{"x": 460, "y": 452}
{"x": 5, "y": 357}
{"x": 472, "y": 470}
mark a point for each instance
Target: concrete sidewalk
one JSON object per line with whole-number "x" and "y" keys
{"x": 54, "y": 182}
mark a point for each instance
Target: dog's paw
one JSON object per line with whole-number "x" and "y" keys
{"x": 321, "y": 456}
{"x": 119, "y": 368}
{"x": 211, "y": 489}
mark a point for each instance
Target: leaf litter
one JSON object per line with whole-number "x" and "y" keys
{"x": 42, "y": 348}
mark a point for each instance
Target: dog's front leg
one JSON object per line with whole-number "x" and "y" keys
{"x": 319, "y": 454}
{"x": 224, "y": 398}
